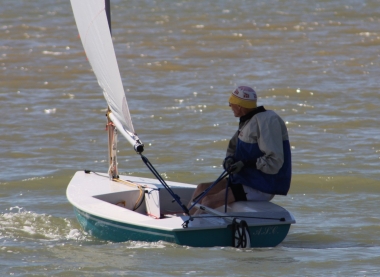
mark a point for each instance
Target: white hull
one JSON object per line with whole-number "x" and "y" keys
{"x": 104, "y": 208}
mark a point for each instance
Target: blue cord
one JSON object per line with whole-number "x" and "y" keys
{"x": 203, "y": 194}
{"x": 226, "y": 197}
{"x": 162, "y": 181}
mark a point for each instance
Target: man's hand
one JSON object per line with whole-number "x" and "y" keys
{"x": 236, "y": 167}
{"x": 228, "y": 161}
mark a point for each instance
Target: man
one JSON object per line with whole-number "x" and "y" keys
{"x": 258, "y": 155}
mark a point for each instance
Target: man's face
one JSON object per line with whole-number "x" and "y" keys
{"x": 236, "y": 109}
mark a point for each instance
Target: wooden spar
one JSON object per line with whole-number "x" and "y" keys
{"x": 112, "y": 131}
{"x": 114, "y": 126}
{"x": 112, "y": 149}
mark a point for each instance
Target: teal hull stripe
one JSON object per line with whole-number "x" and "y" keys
{"x": 261, "y": 236}
{"x": 85, "y": 220}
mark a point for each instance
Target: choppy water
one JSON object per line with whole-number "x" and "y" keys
{"x": 316, "y": 63}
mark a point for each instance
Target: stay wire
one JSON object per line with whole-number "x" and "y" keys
{"x": 282, "y": 219}
{"x": 203, "y": 194}
{"x": 162, "y": 181}
{"x": 226, "y": 196}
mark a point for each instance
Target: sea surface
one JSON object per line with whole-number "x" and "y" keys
{"x": 316, "y": 63}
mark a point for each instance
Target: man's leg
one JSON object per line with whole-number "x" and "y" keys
{"x": 221, "y": 185}
{"x": 216, "y": 200}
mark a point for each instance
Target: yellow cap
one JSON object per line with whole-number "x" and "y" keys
{"x": 244, "y": 96}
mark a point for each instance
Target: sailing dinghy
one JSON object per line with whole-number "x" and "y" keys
{"x": 121, "y": 208}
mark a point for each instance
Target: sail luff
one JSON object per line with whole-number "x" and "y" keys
{"x": 94, "y": 31}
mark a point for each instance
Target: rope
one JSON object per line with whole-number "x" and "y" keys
{"x": 226, "y": 196}
{"x": 141, "y": 197}
{"x": 162, "y": 181}
{"x": 241, "y": 216}
{"x": 203, "y": 194}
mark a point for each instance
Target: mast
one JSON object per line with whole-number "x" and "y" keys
{"x": 93, "y": 19}
{"x": 111, "y": 129}
{"x": 108, "y": 13}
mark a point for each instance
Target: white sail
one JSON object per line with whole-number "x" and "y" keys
{"x": 91, "y": 20}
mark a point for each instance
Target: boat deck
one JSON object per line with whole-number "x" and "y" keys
{"x": 99, "y": 196}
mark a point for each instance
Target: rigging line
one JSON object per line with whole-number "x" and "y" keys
{"x": 89, "y": 171}
{"x": 126, "y": 182}
{"x": 141, "y": 197}
{"x": 185, "y": 224}
{"x": 139, "y": 200}
{"x": 203, "y": 194}
{"x": 241, "y": 216}
{"x": 226, "y": 195}
{"x": 162, "y": 181}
